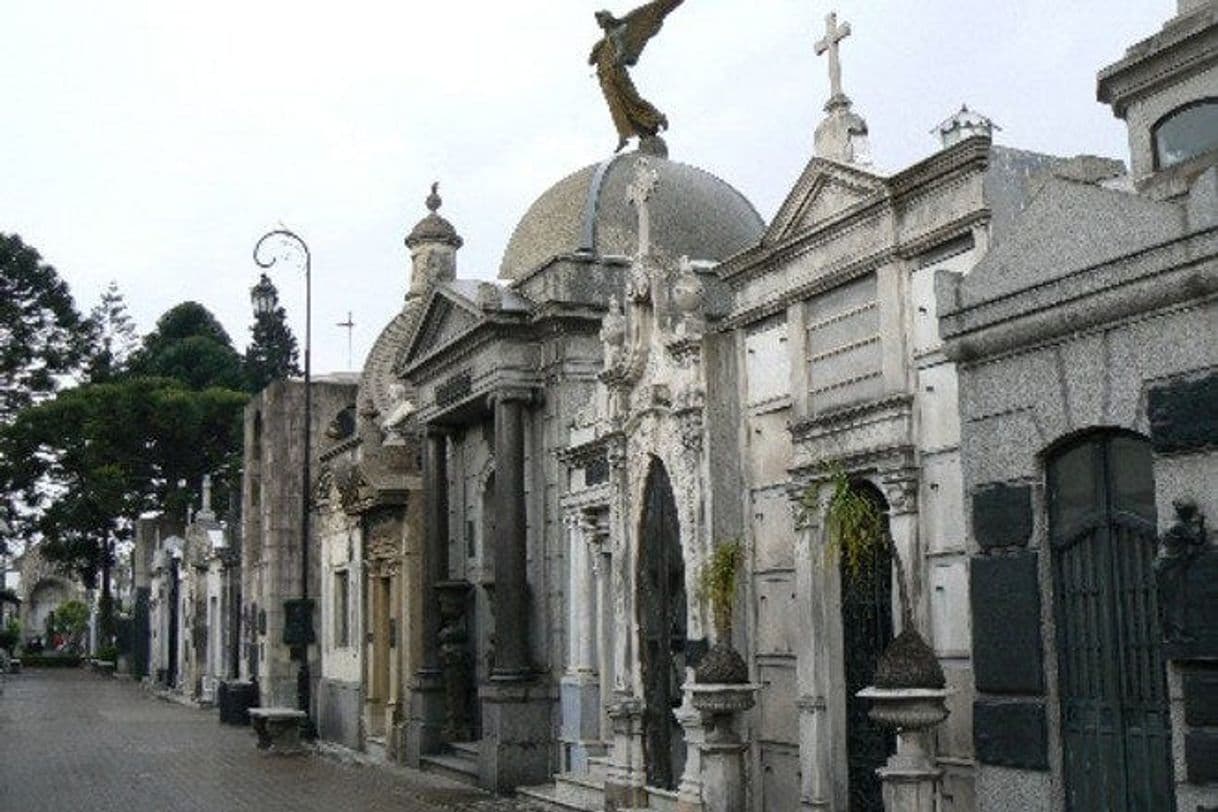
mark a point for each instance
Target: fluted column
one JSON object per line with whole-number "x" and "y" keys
{"x": 511, "y": 546}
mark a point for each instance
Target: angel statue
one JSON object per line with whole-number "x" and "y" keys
{"x": 619, "y": 49}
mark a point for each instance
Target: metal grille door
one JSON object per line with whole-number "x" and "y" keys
{"x": 1116, "y": 730}
{"x": 866, "y": 633}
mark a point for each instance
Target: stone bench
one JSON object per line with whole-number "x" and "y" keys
{"x": 278, "y": 729}
{"x": 14, "y": 666}
{"x": 103, "y": 666}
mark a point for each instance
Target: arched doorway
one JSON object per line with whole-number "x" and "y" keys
{"x": 662, "y": 629}
{"x": 866, "y": 609}
{"x": 1115, "y": 723}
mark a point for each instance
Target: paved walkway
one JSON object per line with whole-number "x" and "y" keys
{"x": 72, "y": 740}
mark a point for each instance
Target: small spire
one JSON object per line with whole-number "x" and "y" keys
{"x": 433, "y": 200}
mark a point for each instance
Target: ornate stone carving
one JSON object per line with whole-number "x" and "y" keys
{"x": 902, "y": 495}
{"x": 613, "y": 332}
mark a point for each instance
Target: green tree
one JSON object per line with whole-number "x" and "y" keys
{"x": 89, "y": 461}
{"x": 190, "y": 345}
{"x": 114, "y": 337}
{"x": 42, "y": 336}
{"x": 272, "y": 355}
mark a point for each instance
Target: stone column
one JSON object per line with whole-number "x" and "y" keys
{"x": 427, "y": 688}
{"x": 511, "y": 548}
{"x": 580, "y": 689}
{"x": 517, "y": 737}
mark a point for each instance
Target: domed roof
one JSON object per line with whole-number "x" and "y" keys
{"x": 433, "y": 227}
{"x": 693, "y": 213}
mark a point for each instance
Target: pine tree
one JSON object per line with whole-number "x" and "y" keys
{"x": 272, "y": 355}
{"x": 41, "y": 335}
{"x": 114, "y": 336}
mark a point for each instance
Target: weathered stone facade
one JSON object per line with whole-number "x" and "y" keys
{"x": 271, "y": 530}
{"x": 1087, "y": 344}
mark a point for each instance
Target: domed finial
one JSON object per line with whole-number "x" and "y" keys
{"x": 433, "y": 199}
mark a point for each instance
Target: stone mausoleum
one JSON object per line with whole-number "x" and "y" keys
{"x": 1005, "y": 359}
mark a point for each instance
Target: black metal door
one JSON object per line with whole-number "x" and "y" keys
{"x": 662, "y": 627}
{"x": 866, "y": 633}
{"x": 171, "y": 669}
{"x": 1116, "y": 728}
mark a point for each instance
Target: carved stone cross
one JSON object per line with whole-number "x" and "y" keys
{"x": 834, "y": 34}
{"x": 639, "y": 193}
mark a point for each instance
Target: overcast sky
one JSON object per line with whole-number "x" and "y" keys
{"x": 152, "y": 143}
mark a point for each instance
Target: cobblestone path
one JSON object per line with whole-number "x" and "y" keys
{"x": 72, "y": 740}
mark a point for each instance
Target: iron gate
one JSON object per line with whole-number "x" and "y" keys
{"x": 662, "y": 627}
{"x": 866, "y": 633}
{"x": 1116, "y": 728}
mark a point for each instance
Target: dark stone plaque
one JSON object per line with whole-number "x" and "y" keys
{"x": 1005, "y": 596}
{"x": 298, "y": 622}
{"x": 1201, "y": 695}
{"x": 1184, "y": 415}
{"x": 1198, "y": 610}
{"x": 596, "y": 470}
{"x": 1201, "y": 756}
{"x": 1002, "y": 515}
{"x": 1011, "y": 733}
{"x": 452, "y": 389}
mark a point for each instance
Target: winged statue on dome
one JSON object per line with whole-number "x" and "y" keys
{"x": 623, "y": 41}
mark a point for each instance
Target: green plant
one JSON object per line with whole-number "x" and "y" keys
{"x": 857, "y": 531}
{"x": 108, "y": 653}
{"x": 71, "y": 618}
{"x": 855, "y": 523}
{"x": 717, "y": 583}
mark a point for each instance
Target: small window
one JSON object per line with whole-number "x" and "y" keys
{"x": 1186, "y": 133}
{"x": 342, "y": 606}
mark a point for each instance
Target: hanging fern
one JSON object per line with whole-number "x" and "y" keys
{"x": 717, "y": 583}
{"x": 855, "y": 524}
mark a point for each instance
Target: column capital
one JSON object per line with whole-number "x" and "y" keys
{"x": 519, "y": 393}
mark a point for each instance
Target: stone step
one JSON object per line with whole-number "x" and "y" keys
{"x": 661, "y": 800}
{"x": 580, "y": 788}
{"x": 453, "y": 767}
{"x": 465, "y": 749}
{"x": 547, "y": 798}
{"x": 599, "y": 766}
{"x": 376, "y": 749}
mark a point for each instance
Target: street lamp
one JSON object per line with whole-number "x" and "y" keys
{"x": 297, "y": 614}
{"x": 263, "y": 296}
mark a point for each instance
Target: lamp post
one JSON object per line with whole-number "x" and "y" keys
{"x": 297, "y": 614}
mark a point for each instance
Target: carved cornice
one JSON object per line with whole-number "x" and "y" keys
{"x": 847, "y": 416}
{"x": 891, "y": 460}
{"x": 1161, "y": 276}
{"x": 847, "y": 271}
{"x": 1184, "y": 47}
{"x": 936, "y": 172}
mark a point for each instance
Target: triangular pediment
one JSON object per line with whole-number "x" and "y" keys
{"x": 824, "y": 190}
{"x": 446, "y": 316}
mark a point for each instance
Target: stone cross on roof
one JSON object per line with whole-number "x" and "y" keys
{"x": 834, "y": 34}
{"x": 638, "y": 193}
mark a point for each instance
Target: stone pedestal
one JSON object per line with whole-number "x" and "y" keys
{"x": 423, "y": 731}
{"x": 580, "y": 695}
{"x": 721, "y": 752}
{"x": 625, "y": 783}
{"x": 516, "y": 734}
{"x": 910, "y": 777}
